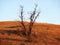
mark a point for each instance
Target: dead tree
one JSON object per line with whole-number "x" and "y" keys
{"x": 22, "y": 21}
{"x": 32, "y": 18}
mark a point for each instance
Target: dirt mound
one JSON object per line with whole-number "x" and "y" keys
{"x": 11, "y": 33}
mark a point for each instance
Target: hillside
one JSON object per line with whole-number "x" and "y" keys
{"x": 42, "y": 34}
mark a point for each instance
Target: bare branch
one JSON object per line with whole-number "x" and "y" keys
{"x": 22, "y": 22}
{"x": 36, "y": 16}
{"x": 33, "y": 17}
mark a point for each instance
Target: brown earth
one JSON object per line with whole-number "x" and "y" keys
{"x": 11, "y": 33}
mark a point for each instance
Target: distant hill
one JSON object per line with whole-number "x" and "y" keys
{"x": 11, "y": 33}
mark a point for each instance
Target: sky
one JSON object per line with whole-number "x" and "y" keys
{"x": 50, "y": 10}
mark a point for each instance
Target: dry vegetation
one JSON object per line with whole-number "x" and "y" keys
{"x": 11, "y": 33}
{"x": 29, "y": 33}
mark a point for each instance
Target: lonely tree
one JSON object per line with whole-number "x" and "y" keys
{"x": 33, "y": 17}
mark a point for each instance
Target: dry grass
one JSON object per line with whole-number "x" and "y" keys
{"x": 42, "y": 34}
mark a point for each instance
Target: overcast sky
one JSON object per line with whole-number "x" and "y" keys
{"x": 50, "y": 10}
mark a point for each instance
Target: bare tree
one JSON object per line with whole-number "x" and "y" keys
{"x": 32, "y": 18}
{"x": 22, "y": 21}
